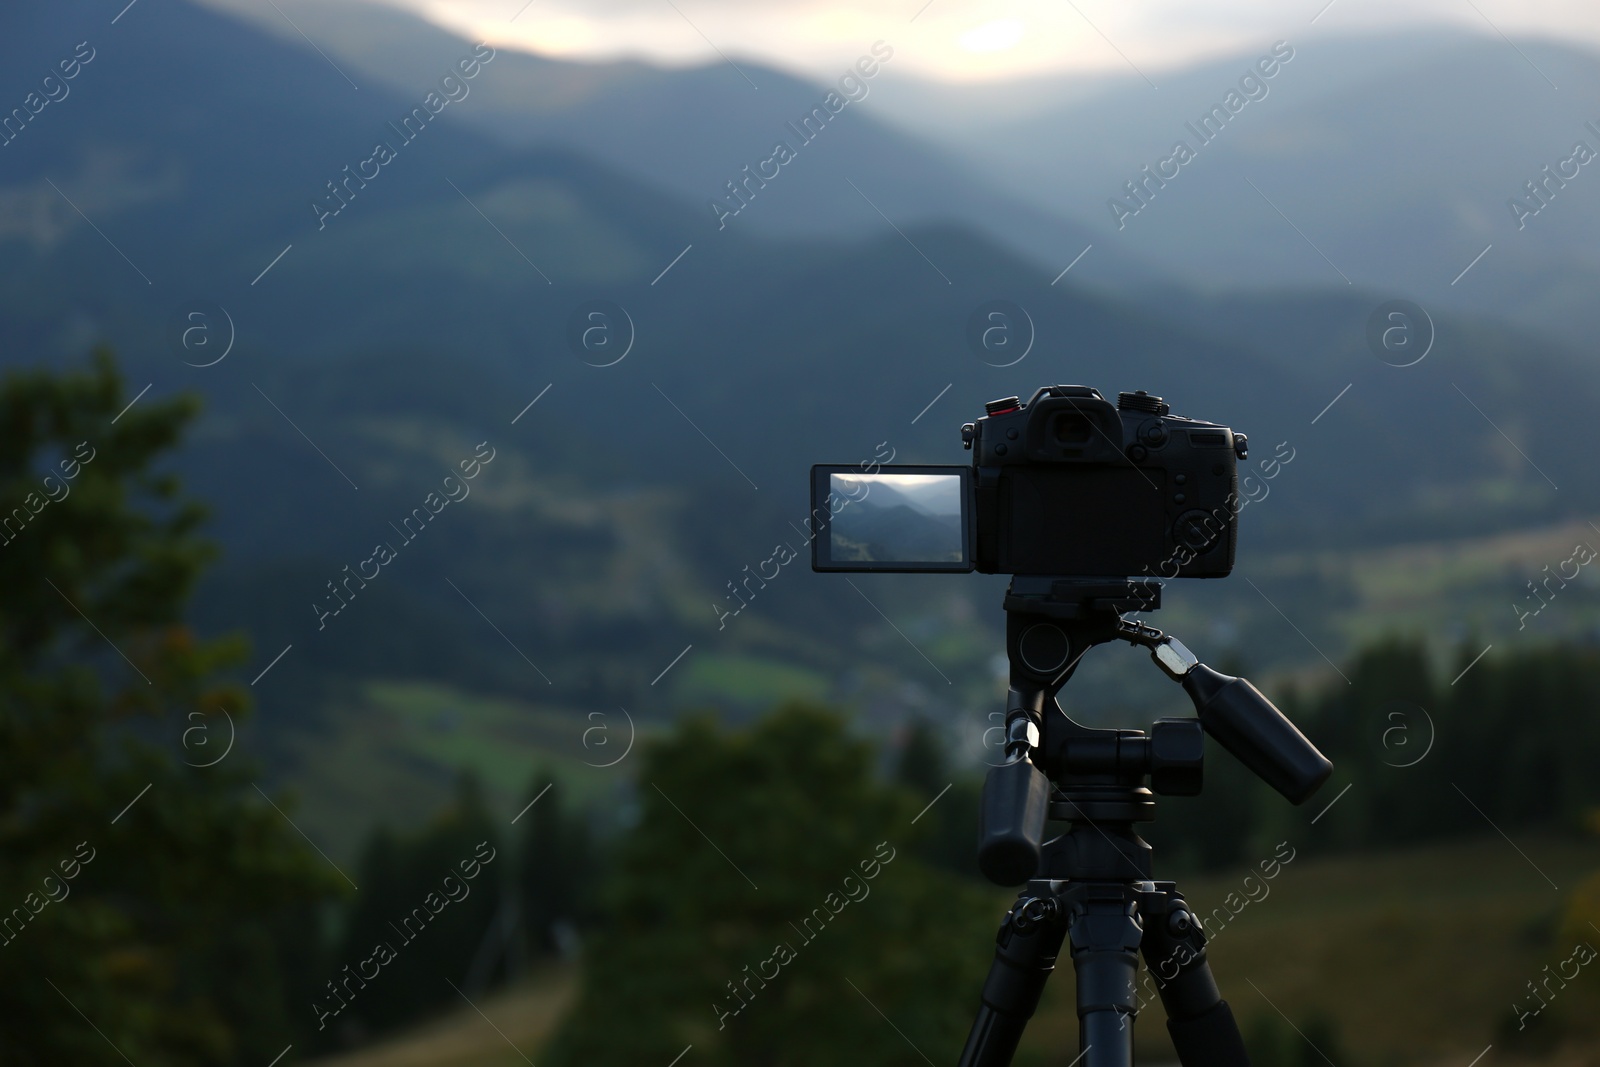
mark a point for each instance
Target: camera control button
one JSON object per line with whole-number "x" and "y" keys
{"x": 999, "y": 450}
{"x": 1197, "y": 530}
{"x": 1178, "y": 498}
{"x": 1011, "y": 434}
{"x": 1179, "y": 479}
{"x": 1142, "y": 401}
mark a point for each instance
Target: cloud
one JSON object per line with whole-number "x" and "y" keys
{"x": 998, "y": 36}
{"x": 959, "y": 41}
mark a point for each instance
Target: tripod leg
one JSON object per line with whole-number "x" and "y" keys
{"x": 1106, "y": 932}
{"x": 1025, "y": 954}
{"x": 1200, "y": 1022}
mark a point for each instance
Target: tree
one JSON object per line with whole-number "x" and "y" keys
{"x": 948, "y": 828}
{"x": 556, "y": 869}
{"x": 163, "y": 905}
{"x": 1430, "y": 757}
{"x": 765, "y": 908}
{"x": 426, "y": 916}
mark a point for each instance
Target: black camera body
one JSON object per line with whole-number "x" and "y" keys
{"x": 1070, "y": 484}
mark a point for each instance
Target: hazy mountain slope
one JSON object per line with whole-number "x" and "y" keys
{"x": 1395, "y": 157}
{"x": 1107, "y": 115}
{"x": 693, "y": 130}
{"x": 621, "y": 519}
{"x": 194, "y": 147}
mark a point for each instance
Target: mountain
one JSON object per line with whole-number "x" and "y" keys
{"x": 934, "y": 496}
{"x": 624, "y": 546}
{"x": 1103, "y": 115}
{"x": 891, "y": 531}
{"x": 1394, "y": 157}
{"x": 1357, "y": 143}
{"x": 693, "y": 130}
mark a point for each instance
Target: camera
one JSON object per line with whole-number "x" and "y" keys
{"x": 1065, "y": 484}
{"x": 1087, "y": 505}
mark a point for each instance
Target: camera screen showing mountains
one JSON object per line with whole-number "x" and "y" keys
{"x": 897, "y": 518}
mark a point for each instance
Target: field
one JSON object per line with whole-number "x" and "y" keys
{"x": 1415, "y": 958}
{"x": 1416, "y": 955}
{"x": 395, "y": 747}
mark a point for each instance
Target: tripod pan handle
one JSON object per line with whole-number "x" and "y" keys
{"x": 1259, "y": 735}
{"x": 1016, "y": 799}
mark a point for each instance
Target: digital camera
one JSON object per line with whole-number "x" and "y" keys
{"x": 1067, "y": 484}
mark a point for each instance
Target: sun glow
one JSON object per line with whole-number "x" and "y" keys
{"x": 997, "y": 36}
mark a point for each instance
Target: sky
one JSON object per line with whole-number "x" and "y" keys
{"x": 962, "y": 40}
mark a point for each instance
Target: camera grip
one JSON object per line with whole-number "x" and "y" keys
{"x": 1259, "y": 735}
{"x": 1016, "y": 800}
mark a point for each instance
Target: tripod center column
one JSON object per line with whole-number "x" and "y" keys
{"x": 1105, "y": 931}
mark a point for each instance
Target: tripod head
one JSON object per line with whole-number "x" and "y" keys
{"x": 1056, "y": 767}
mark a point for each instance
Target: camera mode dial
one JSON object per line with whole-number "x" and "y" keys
{"x": 1142, "y": 401}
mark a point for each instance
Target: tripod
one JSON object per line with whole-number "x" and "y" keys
{"x": 1092, "y": 887}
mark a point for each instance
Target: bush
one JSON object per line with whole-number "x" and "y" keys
{"x": 768, "y": 908}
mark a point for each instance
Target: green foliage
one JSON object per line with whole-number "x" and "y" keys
{"x": 433, "y": 898}
{"x": 1311, "y": 1042}
{"x": 1581, "y": 917}
{"x": 175, "y": 927}
{"x": 851, "y": 922}
{"x": 557, "y": 869}
{"x": 947, "y": 832}
{"x": 1514, "y": 737}
{"x": 445, "y": 912}
{"x": 1221, "y": 827}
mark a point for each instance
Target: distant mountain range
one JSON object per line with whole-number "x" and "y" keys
{"x": 1388, "y": 160}
{"x": 692, "y": 131}
{"x": 445, "y": 303}
{"x": 888, "y": 525}
{"x": 1385, "y": 160}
